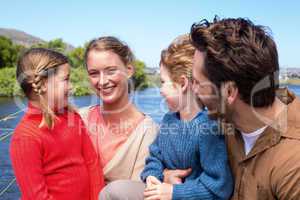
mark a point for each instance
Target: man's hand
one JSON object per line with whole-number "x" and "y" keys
{"x": 176, "y": 176}
{"x": 161, "y": 191}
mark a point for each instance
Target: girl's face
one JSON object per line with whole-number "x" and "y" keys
{"x": 170, "y": 90}
{"x": 108, "y": 75}
{"x": 58, "y": 88}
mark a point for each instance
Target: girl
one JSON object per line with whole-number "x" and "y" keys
{"x": 121, "y": 133}
{"x": 187, "y": 137}
{"x": 51, "y": 153}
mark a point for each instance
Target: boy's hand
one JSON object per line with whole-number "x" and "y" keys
{"x": 176, "y": 176}
{"x": 161, "y": 191}
{"x": 152, "y": 180}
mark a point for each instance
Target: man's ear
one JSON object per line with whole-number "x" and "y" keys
{"x": 184, "y": 83}
{"x": 230, "y": 92}
{"x": 130, "y": 70}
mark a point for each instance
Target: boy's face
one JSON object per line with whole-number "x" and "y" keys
{"x": 170, "y": 90}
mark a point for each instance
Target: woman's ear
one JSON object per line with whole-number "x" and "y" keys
{"x": 184, "y": 83}
{"x": 130, "y": 70}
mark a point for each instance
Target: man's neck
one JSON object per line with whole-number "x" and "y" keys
{"x": 248, "y": 119}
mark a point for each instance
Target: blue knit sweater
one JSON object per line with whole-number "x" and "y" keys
{"x": 196, "y": 144}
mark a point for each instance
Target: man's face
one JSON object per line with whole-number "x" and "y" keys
{"x": 209, "y": 93}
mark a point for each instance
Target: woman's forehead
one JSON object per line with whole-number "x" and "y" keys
{"x": 103, "y": 59}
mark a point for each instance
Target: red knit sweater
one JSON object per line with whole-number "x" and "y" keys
{"x": 58, "y": 164}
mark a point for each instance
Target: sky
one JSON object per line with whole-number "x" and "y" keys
{"x": 149, "y": 26}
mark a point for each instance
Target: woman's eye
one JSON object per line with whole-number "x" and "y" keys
{"x": 93, "y": 74}
{"x": 111, "y": 71}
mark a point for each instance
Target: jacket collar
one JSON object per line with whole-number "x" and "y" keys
{"x": 286, "y": 126}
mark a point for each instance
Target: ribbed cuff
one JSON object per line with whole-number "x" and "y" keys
{"x": 184, "y": 191}
{"x": 158, "y": 175}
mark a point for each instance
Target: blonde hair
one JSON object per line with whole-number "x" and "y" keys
{"x": 178, "y": 58}
{"x": 34, "y": 66}
{"x": 113, "y": 44}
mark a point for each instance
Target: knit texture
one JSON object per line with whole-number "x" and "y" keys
{"x": 195, "y": 144}
{"x": 55, "y": 164}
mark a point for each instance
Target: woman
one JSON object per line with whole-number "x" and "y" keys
{"x": 120, "y": 133}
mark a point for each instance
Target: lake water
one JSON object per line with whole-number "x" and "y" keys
{"x": 148, "y": 101}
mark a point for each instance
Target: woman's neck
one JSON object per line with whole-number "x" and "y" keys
{"x": 121, "y": 110}
{"x": 118, "y": 105}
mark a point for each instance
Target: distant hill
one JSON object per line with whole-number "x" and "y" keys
{"x": 25, "y": 39}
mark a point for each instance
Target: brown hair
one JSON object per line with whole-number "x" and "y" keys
{"x": 113, "y": 44}
{"x": 33, "y": 67}
{"x": 178, "y": 58}
{"x": 239, "y": 51}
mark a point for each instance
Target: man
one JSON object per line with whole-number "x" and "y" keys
{"x": 236, "y": 76}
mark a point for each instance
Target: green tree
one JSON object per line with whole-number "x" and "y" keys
{"x": 77, "y": 57}
{"x": 8, "y": 52}
{"x": 8, "y": 83}
{"x": 56, "y": 44}
{"x": 140, "y": 78}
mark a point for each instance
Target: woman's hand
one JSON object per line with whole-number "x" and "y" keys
{"x": 156, "y": 190}
{"x": 176, "y": 176}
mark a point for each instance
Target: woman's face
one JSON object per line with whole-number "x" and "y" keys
{"x": 108, "y": 75}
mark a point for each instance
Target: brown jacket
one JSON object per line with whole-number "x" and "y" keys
{"x": 272, "y": 169}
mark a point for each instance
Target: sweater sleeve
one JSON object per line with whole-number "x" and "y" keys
{"x": 215, "y": 181}
{"x": 154, "y": 163}
{"x": 26, "y": 158}
{"x": 93, "y": 164}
